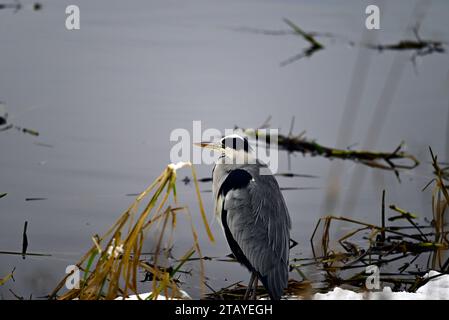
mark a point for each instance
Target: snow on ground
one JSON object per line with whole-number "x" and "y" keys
{"x": 144, "y": 296}
{"x": 436, "y": 289}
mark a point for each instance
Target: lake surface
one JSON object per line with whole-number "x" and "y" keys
{"x": 105, "y": 99}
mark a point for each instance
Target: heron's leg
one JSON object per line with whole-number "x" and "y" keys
{"x": 250, "y": 284}
{"x": 256, "y": 282}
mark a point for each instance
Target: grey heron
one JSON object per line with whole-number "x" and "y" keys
{"x": 253, "y": 214}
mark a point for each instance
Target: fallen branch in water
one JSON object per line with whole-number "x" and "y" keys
{"x": 374, "y": 159}
{"x": 419, "y": 46}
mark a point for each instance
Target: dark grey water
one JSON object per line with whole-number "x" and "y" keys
{"x": 106, "y": 98}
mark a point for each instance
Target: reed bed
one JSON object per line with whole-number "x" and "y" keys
{"x": 110, "y": 267}
{"x": 345, "y": 259}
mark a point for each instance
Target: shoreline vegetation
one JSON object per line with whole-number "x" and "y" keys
{"x": 110, "y": 267}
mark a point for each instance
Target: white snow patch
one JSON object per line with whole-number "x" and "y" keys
{"x": 143, "y": 296}
{"x": 435, "y": 289}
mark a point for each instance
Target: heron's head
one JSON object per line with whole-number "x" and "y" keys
{"x": 231, "y": 142}
{"x": 233, "y": 147}
{"x": 235, "y": 142}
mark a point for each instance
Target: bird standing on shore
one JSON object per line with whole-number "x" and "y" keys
{"x": 253, "y": 214}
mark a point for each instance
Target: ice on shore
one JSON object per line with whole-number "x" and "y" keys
{"x": 435, "y": 289}
{"x": 144, "y": 296}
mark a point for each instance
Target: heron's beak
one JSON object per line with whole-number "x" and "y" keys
{"x": 209, "y": 145}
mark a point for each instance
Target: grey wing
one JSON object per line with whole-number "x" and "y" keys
{"x": 258, "y": 220}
